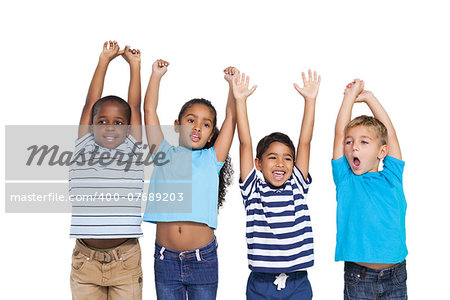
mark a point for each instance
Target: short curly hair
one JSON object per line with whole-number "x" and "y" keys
{"x": 372, "y": 123}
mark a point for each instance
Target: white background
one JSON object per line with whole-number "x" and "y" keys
{"x": 400, "y": 48}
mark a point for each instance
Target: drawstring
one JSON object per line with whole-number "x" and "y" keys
{"x": 161, "y": 257}
{"x": 280, "y": 281}
{"x": 197, "y": 254}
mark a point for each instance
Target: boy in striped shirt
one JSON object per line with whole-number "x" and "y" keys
{"x": 106, "y": 211}
{"x": 279, "y": 233}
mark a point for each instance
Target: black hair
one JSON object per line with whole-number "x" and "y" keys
{"x": 226, "y": 173}
{"x": 266, "y": 141}
{"x": 113, "y": 99}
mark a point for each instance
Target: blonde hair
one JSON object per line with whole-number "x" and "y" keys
{"x": 371, "y": 123}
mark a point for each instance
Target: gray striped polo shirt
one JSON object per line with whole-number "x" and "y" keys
{"x": 105, "y": 187}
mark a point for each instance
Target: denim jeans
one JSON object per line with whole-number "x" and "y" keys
{"x": 365, "y": 283}
{"x": 260, "y": 286}
{"x": 192, "y": 274}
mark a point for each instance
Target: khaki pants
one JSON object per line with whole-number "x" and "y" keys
{"x": 112, "y": 275}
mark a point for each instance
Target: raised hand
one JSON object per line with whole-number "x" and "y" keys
{"x": 159, "y": 68}
{"x": 132, "y": 56}
{"x": 240, "y": 87}
{"x": 310, "y": 86}
{"x": 365, "y": 96}
{"x": 229, "y": 73}
{"x": 354, "y": 88}
{"x": 111, "y": 52}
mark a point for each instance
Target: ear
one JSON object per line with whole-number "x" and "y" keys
{"x": 382, "y": 152}
{"x": 176, "y": 125}
{"x": 91, "y": 128}
{"x": 258, "y": 164}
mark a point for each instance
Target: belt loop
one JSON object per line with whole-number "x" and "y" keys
{"x": 161, "y": 257}
{"x": 363, "y": 273}
{"x": 115, "y": 254}
{"x": 197, "y": 254}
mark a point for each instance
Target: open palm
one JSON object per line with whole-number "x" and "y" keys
{"x": 310, "y": 86}
{"x": 240, "y": 86}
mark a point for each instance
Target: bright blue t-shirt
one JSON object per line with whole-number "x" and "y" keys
{"x": 371, "y": 212}
{"x": 192, "y": 173}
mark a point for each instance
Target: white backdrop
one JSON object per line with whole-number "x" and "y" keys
{"x": 400, "y": 48}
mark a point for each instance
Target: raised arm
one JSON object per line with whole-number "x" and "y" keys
{"x": 241, "y": 92}
{"x": 152, "y": 125}
{"x": 309, "y": 92}
{"x": 96, "y": 86}
{"x": 133, "y": 57}
{"x": 352, "y": 90}
{"x": 380, "y": 114}
{"x": 225, "y": 138}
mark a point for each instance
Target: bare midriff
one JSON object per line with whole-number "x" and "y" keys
{"x": 104, "y": 243}
{"x": 183, "y": 236}
{"x": 376, "y": 266}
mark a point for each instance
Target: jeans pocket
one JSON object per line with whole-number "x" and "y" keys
{"x": 351, "y": 278}
{"x": 133, "y": 261}
{"x": 399, "y": 277}
{"x": 78, "y": 260}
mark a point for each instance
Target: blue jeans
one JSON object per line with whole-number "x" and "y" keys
{"x": 192, "y": 274}
{"x": 365, "y": 283}
{"x": 261, "y": 286}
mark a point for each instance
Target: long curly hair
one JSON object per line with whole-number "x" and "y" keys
{"x": 226, "y": 173}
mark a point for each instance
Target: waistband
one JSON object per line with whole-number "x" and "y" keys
{"x": 162, "y": 252}
{"x": 364, "y": 271}
{"x": 121, "y": 252}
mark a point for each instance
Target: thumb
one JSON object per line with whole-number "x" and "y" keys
{"x": 297, "y": 88}
{"x": 252, "y": 89}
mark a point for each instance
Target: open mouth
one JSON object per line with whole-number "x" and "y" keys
{"x": 278, "y": 175}
{"x": 356, "y": 162}
{"x": 195, "y": 137}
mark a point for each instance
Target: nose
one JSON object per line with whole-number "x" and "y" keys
{"x": 196, "y": 127}
{"x": 355, "y": 147}
{"x": 279, "y": 163}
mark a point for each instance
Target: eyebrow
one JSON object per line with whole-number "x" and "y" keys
{"x": 363, "y": 136}
{"x": 194, "y": 115}
{"x": 273, "y": 153}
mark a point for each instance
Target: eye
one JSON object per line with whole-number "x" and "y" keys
{"x": 364, "y": 142}
{"x": 288, "y": 158}
{"x": 206, "y": 125}
{"x": 101, "y": 122}
{"x": 118, "y": 123}
{"x": 271, "y": 157}
{"x": 190, "y": 120}
{"x": 348, "y": 142}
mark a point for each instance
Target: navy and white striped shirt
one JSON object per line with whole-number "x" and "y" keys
{"x": 279, "y": 232}
{"x": 106, "y": 197}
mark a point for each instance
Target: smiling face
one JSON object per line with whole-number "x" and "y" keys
{"x": 276, "y": 163}
{"x": 198, "y": 126}
{"x": 110, "y": 125}
{"x": 362, "y": 150}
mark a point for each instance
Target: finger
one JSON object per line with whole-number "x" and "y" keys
{"x": 247, "y": 80}
{"x": 309, "y": 75}
{"x": 252, "y": 89}
{"x": 297, "y": 87}
{"x": 315, "y": 76}
{"x": 110, "y": 44}
{"x": 319, "y": 79}
{"x": 105, "y": 45}
{"x": 138, "y": 52}
{"x": 242, "y": 78}
{"x": 304, "y": 77}
{"x": 121, "y": 52}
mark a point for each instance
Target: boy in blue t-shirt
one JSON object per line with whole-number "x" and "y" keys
{"x": 371, "y": 205}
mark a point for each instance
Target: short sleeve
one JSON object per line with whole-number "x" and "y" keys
{"x": 393, "y": 169}
{"x": 164, "y": 146}
{"x": 300, "y": 179}
{"x": 219, "y": 164}
{"x": 341, "y": 169}
{"x": 86, "y": 142}
{"x": 248, "y": 186}
{"x": 133, "y": 145}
